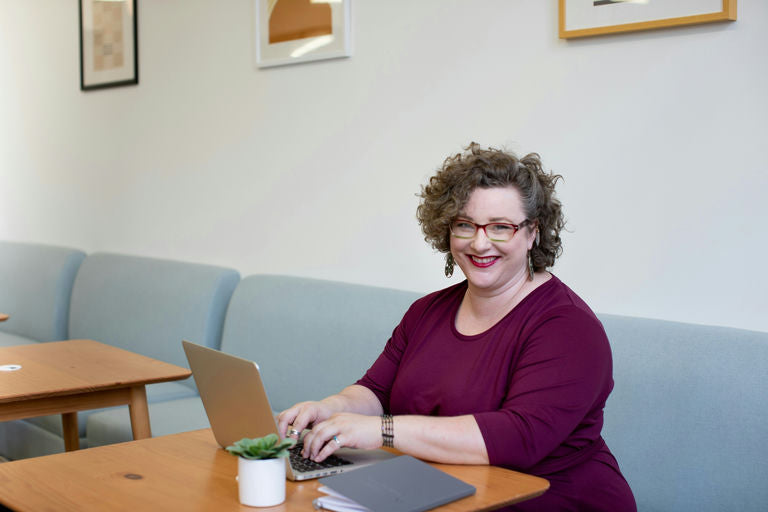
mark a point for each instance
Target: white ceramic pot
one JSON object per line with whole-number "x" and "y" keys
{"x": 261, "y": 482}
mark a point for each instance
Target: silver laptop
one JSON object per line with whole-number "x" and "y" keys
{"x": 237, "y": 406}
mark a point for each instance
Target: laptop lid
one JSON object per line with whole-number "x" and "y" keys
{"x": 232, "y": 393}
{"x": 237, "y": 406}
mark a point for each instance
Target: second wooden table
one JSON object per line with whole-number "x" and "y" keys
{"x": 63, "y": 377}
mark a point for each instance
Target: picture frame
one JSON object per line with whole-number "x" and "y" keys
{"x": 296, "y": 31}
{"x": 585, "y": 18}
{"x": 109, "y": 47}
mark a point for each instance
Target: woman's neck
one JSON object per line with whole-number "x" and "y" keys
{"x": 482, "y": 309}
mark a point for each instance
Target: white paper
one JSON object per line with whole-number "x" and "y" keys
{"x": 336, "y": 502}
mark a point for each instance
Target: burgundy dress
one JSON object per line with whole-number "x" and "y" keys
{"x": 536, "y": 382}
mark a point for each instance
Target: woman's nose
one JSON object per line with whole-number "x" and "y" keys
{"x": 480, "y": 241}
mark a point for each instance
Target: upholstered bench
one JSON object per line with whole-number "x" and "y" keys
{"x": 35, "y": 288}
{"x": 144, "y": 305}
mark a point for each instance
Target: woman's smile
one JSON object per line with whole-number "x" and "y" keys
{"x": 483, "y": 262}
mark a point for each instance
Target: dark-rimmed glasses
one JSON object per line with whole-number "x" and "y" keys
{"x": 495, "y": 231}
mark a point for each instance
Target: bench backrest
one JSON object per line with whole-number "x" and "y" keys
{"x": 310, "y": 337}
{"x": 148, "y": 305}
{"x": 688, "y": 417}
{"x": 35, "y": 288}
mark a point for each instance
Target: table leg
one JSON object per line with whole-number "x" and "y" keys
{"x": 70, "y": 430}
{"x": 139, "y": 413}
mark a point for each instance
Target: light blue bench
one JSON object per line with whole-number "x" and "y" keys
{"x": 688, "y": 417}
{"x": 140, "y": 304}
{"x": 35, "y": 287}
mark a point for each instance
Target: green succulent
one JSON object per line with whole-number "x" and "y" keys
{"x": 267, "y": 447}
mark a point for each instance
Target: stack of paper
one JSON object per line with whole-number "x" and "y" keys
{"x": 337, "y": 502}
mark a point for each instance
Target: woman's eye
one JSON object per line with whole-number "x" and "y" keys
{"x": 500, "y": 228}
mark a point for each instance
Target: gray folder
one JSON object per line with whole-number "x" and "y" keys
{"x": 401, "y": 484}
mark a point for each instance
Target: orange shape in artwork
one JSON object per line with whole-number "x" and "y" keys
{"x": 299, "y": 19}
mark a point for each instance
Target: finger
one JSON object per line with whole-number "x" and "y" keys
{"x": 316, "y": 439}
{"x": 284, "y": 419}
{"x": 306, "y": 417}
{"x": 309, "y": 438}
{"x": 333, "y": 444}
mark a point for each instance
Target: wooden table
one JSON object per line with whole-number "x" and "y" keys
{"x": 63, "y": 377}
{"x": 190, "y": 472}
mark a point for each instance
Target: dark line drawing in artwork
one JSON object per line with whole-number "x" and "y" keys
{"x": 609, "y": 2}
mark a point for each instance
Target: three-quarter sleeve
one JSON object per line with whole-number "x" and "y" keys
{"x": 557, "y": 389}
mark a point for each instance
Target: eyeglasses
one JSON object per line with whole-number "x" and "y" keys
{"x": 495, "y": 231}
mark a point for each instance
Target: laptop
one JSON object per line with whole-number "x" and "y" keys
{"x": 237, "y": 406}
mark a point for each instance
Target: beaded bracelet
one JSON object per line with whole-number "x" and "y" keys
{"x": 388, "y": 430}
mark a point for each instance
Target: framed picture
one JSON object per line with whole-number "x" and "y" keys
{"x": 109, "y": 49}
{"x": 582, "y": 18}
{"x": 292, "y": 31}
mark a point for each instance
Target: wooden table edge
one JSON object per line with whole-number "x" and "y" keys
{"x": 65, "y": 393}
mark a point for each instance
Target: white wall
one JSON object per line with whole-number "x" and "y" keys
{"x": 660, "y": 136}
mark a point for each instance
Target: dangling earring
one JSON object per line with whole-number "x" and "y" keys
{"x": 530, "y": 267}
{"x": 449, "y": 265}
{"x": 538, "y": 237}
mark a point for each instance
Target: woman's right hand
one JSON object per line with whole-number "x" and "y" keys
{"x": 354, "y": 398}
{"x": 302, "y": 415}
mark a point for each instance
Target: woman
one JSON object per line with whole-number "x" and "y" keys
{"x": 509, "y": 367}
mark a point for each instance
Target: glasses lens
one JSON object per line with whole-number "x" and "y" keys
{"x": 500, "y": 232}
{"x": 463, "y": 228}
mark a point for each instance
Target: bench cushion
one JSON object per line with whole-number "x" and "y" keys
{"x": 113, "y": 425}
{"x": 8, "y": 339}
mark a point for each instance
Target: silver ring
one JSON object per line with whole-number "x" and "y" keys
{"x": 293, "y": 432}
{"x": 336, "y": 439}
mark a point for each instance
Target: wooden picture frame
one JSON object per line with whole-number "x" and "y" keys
{"x": 109, "y": 47}
{"x": 585, "y": 18}
{"x": 294, "y": 31}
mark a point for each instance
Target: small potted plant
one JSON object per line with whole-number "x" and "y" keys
{"x": 261, "y": 470}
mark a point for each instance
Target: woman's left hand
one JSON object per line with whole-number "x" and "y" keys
{"x": 342, "y": 429}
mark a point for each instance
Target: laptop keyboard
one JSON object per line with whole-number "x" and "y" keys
{"x": 299, "y": 463}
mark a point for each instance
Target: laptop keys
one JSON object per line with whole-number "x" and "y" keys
{"x": 301, "y": 464}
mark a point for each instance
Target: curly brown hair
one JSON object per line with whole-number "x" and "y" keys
{"x": 449, "y": 189}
